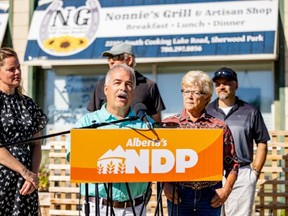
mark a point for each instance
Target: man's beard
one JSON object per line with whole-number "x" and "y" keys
{"x": 223, "y": 96}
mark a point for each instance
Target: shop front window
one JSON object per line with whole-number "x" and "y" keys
{"x": 67, "y": 101}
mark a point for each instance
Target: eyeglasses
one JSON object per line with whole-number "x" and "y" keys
{"x": 119, "y": 57}
{"x": 195, "y": 94}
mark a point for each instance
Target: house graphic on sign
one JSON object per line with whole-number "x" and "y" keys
{"x": 112, "y": 162}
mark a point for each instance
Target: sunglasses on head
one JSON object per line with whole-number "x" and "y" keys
{"x": 226, "y": 73}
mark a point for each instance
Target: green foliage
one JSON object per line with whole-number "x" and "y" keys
{"x": 43, "y": 176}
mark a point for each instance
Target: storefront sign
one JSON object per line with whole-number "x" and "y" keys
{"x": 125, "y": 155}
{"x": 3, "y": 19}
{"x": 186, "y": 30}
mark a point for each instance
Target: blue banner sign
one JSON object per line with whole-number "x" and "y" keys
{"x": 4, "y": 14}
{"x": 169, "y": 30}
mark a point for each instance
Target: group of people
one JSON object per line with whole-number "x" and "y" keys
{"x": 113, "y": 99}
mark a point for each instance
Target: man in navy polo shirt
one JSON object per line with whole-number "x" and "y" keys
{"x": 247, "y": 126}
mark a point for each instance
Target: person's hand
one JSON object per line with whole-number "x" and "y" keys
{"x": 257, "y": 173}
{"x": 168, "y": 191}
{"x": 27, "y": 188}
{"x": 220, "y": 197}
{"x": 30, "y": 177}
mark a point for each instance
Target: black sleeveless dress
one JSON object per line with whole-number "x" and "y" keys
{"x": 20, "y": 118}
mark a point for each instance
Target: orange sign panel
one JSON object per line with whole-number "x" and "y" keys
{"x": 126, "y": 155}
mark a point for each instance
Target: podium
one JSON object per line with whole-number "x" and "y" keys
{"x": 133, "y": 155}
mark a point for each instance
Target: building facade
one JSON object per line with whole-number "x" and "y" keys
{"x": 63, "y": 84}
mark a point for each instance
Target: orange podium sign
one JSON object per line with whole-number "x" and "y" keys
{"x": 126, "y": 155}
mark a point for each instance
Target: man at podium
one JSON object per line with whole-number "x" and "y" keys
{"x": 119, "y": 88}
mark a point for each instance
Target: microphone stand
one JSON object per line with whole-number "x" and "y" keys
{"x": 109, "y": 191}
{"x": 86, "y": 204}
{"x": 94, "y": 125}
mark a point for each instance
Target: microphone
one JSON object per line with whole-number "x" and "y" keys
{"x": 140, "y": 110}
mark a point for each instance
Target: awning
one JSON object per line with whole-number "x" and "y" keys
{"x": 64, "y": 31}
{"x": 4, "y": 14}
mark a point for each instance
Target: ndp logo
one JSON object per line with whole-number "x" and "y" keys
{"x": 120, "y": 161}
{"x": 114, "y": 155}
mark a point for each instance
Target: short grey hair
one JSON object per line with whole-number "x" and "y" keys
{"x": 200, "y": 79}
{"x": 116, "y": 67}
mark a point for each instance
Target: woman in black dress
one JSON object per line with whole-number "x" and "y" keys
{"x": 20, "y": 120}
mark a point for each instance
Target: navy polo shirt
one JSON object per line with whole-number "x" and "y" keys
{"x": 246, "y": 124}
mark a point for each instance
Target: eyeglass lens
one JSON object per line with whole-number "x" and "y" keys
{"x": 194, "y": 93}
